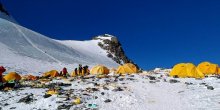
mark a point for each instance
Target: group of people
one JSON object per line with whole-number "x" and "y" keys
{"x": 80, "y": 71}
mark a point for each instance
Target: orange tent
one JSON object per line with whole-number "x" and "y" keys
{"x": 52, "y": 73}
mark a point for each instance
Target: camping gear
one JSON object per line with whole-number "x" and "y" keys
{"x": 184, "y": 70}
{"x": 99, "y": 69}
{"x": 29, "y": 77}
{"x": 77, "y": 101}
{"x": 127, "y": 68}
{"x": 12, "y": 76}
{"x": 208, "y": 68}
{"x": 92, "y": 106}
{"x": 52, "y": 73}
{"x": 52, "y": 92}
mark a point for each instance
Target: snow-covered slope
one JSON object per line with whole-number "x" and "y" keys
{"x": 26, "y": 50}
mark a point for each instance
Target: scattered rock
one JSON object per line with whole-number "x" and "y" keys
{"x": 96, "y": 97}
{"x": 107, "y": 101}
{"x": 121, "y": 79}
{"x": 210, "y": 87}
{"x": 108, "y": 81}
{"x": 118, "y": 89}
{"x": 130, "y": 79}
{"x": 151, "y": 77}
{"x": 6, "y": 104}
{"x": 105, "y": 88}
{"x": 47, "y": 95}
{"x": 180, "y": 91}
{"x": 59, "y": 101}
{"x": 95, "y": 89}
{"x": 173, "y": 81}
{"x": 188, "y": 83}
{"x": 86, "y": 94}
{"x": 152, "y": 82}
{"x": 95, "y": 84}
{"x": 28, "y": 99}
{"x": 102, "y": 93}
{"x": 13, "y": 108}
{"x": 131, "y": 75}
{"x": 202, "y": 83}
{"x": 64, "y": 106}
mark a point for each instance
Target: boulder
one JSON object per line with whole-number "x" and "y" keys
{"x": 173, "y": 81}
{"x": 107, "y": 101}
{"x": 28, "y": 99}
{"x": 210, "y": 87}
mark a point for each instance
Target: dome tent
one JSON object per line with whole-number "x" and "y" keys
{"x": 127, "y": 68}
{"x": 52, "y": 73}
{"x": 12, "y": 76}
{"x": 99, "y": 69}
{"x": 184, "y": 70}
{"x": 208, "y": 68}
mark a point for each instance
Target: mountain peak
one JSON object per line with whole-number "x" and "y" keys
{"x": 2, "y": 9}
{"x": 4, "y": 14}
{"x": 106, "y": 37}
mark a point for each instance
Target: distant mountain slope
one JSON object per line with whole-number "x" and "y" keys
{"x": 20, "y": 44}
{"x": 26, "y": 51}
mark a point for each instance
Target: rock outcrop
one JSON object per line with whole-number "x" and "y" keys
{"x": 114, "y": 48}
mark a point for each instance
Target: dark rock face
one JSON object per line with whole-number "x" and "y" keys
{"x": 114, "y": 49}
{"x": 3, "y": 10}
{"x": 28, "y": 99}
{"x": 210, "y": 87}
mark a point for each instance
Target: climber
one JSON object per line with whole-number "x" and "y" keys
{"x": 76, "y": 72}
{"x": 2, "y": 70}
{"x": 64, "y": 72}
{"x": 86, "y": 70}
{"x": 80, "y": 70}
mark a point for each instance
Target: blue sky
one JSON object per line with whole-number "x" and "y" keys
{"x": 154, "y": 33}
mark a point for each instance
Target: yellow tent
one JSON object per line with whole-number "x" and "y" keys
{"x": 127, "y": 68}
{"x": 218, "y": 70}
{"x": 52, "y": 73}
{"x": 12, "y": 76}
{"x": 99, "y": 69}
{"x": 184, "y": 70}
{"x": 208, "y": 68}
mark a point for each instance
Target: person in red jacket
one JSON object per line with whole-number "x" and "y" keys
{"x": 2, "y": 70}
{"x": 64, "y": 72}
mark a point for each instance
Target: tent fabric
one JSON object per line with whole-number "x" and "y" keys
{"x": 184, "y": 70}
{"x": 99, "y": 69}
{"x": 52, "y": 73}
{"x": 218, "y": 71}
{"x": 208, "y": 68}
{"x": 12, "y": 76}
{"x": 29, "y": 77}
{"x": 128, "y": 68}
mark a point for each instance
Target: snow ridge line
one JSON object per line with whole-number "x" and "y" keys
{"x": 29, "y": 41}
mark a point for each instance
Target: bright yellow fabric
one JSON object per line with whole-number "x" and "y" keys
{"x": 208, "y": 68}
{"x": 99, "y": 69}
{"x": 52, "y": 92}
{"x": 12, "y": 76}
{"x": 52, "y": 73}
{"x": 184, "y": 70}
{"x": 218, "y": 71}
{"x": 127, "y": 69}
